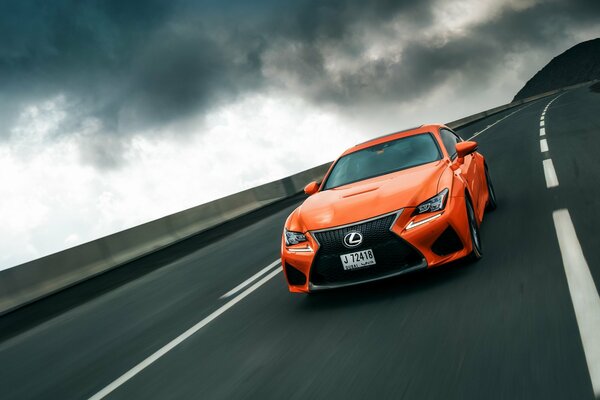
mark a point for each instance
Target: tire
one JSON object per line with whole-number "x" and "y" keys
{"x": 474, "y": 234}
{"x": 492, "y": 203}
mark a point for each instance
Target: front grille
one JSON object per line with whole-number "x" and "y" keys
{"x": 392, "y": 254}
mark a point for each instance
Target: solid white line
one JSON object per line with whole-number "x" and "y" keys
{"x": 179, "y": 339}
{"x": 584, "y": 295}
{"x": 543, "y": 145}
{"x": 251, "y": 279}
{"x": 554, "y": 99}
{"x": 542, "y": 131}
{"x": 500, "y": 120}
{"x": 550, "y": 174}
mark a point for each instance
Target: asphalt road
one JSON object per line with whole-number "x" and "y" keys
{"x": 501, "y": 328}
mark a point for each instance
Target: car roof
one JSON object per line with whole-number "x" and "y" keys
{"x": 395, "y": 135}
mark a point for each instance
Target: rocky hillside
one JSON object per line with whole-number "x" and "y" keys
{"x": 578, "y": 64}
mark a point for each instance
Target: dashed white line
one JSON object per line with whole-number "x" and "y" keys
{"x": 251, "y": 279}
{"x": 584, "y": 294}
{"x": 179, "y": 339}
{"x": 549, "y": 171}
{"x": 550, "y": 174}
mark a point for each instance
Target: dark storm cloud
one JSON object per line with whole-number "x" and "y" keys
{"x": 142, "y": 64}
{"x": 478, "y": 56}
{"x": 137, "y": 63}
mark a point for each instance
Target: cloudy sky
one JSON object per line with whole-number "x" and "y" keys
{"x": 113, "y": 113}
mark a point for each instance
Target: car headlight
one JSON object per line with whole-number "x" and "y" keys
{"x": 436, "y": 203}
{"x": 292, "y": 238}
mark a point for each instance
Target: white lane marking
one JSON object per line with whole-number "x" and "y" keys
{"x": 500, "y": 120}
{"x": 251, "y": 279}
{"x": 543, "y": 145}
{"x": 550, "y": 174}
{"x": 542, "y": 122}
{"x": 542, "y": 131}
{"x": 584, "y": 294}
{"x": 179, "y": 339}
{"x": 553, "y": 100}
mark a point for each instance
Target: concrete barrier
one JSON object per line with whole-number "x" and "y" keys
{"x": 476, "y": 117}
{"x": 33, "y": 280}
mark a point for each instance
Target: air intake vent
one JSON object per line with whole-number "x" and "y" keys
{"x": 447, "y": 243}
{"x": 294, "y": 276}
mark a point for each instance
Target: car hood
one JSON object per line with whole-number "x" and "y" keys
{"x": 368, "y": 198}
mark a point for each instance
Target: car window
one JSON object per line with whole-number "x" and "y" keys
{"x": 449, "y": 139}
{"x": 383, "y": 159}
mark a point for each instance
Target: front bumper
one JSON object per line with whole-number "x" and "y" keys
{"x": 397, "y": 250}
{"x": 313, "y": 288}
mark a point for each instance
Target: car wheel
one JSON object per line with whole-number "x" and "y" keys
{"x": 491, "y": 203}
{"x": 477, "y": 252}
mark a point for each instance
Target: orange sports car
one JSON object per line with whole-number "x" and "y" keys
{"x": 402, "y": 202}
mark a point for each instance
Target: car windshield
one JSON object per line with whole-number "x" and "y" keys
{"x": 383, "y": 159}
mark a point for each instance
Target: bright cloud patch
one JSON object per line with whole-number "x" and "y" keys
{"x": 53, "y": 199}
{"x": 117, "y": 114}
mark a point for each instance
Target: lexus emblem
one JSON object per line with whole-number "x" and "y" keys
{"x": 353, "y": 239}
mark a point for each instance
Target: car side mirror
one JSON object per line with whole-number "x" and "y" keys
{"x": 465, "y": 148}
{"x": 311, "y": 188}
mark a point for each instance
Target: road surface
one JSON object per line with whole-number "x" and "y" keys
{"x": 505, "y": 327}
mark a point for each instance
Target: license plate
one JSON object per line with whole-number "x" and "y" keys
{"x": 359, "y": 259}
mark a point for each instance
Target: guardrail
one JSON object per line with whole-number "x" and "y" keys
{"x": 36, "y": 279}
